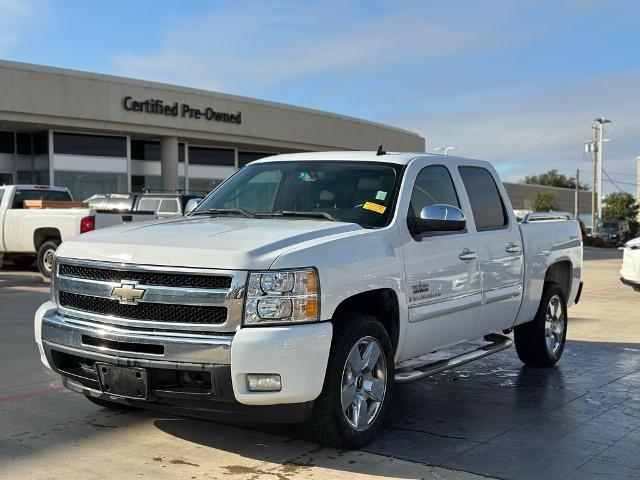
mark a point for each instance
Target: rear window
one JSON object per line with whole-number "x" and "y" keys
{"x": 486, "y": 204}
{"x": 37, "y": 194}
{"x": 148, "y": 204}
{"x": 169, "y": 206}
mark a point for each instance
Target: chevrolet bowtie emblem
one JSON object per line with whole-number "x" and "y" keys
{"x": 127, "y": 293}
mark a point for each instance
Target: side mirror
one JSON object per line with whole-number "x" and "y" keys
{"x": 440, "y": 218}
{"x": 191, "y": 205}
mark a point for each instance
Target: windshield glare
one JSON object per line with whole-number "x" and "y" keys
{"x": 356, "y": 192}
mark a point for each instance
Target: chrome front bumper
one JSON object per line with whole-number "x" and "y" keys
{"x": 100, "y": 341}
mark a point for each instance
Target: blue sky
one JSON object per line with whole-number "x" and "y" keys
{"x": 515, "y": 82}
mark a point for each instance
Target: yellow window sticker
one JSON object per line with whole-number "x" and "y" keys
{"x": 374, "y": 207}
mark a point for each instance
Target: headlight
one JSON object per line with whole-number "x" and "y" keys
{"x": 282, "y": 297}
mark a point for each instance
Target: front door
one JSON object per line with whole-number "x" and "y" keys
{"x": 499, "y": 250}
{"x": 443, "y": 280}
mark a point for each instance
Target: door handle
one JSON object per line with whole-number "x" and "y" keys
{"x": 513, "y": 248}
{"x": 467, "y": 255}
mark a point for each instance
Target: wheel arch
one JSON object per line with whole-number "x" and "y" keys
{"x": 381, "y": 303}
{"x": 44, "y": 234}
{"x": 561, "y": 273}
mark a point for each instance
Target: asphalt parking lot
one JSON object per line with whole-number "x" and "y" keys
{"x": 494, "y": 418}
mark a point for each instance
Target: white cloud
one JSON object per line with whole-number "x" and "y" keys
{"x": 258, "y": 47}
{"x": 530, "y": 128}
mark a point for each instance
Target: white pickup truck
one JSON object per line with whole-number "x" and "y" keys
{"x": 305, "y": 286}
{"x": 34, "y": 234}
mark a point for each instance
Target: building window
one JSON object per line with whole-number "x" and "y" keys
{"x": 150, "y": 183}
{"x": 24, "y": 143}
{"x": 150, "y": 150}
{"x": 93, "y": 145}
{"x": 211, "y": 156}
{"x": 247, "y": 157}
{"x": 40, "y": 143}
{"x": 7, "y": 142}
{"x": 202, "y": 186}
{"x": 84, "y": 184}
{"x": 145, "y": 150}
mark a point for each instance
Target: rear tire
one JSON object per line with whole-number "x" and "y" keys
{"x": 46, "y": 255}
{"x": 358, "y": 384}
{"x": 110, "y": 405}
{"x": 541, "y": 341}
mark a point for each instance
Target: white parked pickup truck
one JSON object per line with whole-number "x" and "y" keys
{"x": 305, "y": 286}
{"x": 28, "y": 234}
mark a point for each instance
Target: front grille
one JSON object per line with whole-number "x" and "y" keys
{"x": 156, "y": 312}
{"x": 148, "y": 278}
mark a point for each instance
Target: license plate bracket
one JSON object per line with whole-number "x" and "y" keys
{"x": 125, "y": 382}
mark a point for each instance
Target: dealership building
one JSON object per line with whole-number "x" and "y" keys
{"x": 104, "y": 134}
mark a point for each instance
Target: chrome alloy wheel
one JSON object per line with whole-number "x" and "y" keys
{"x": 554, "y": 325}
{"x": 47, "y": 259}
{"x": 364, "y": 383}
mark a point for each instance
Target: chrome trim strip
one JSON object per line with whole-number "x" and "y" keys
{"x": 232, "y": 299}
{"x": 505, "y": 292}
{"x": 444, "y": 299}
{"x": 59, "y": 332}
{"x": 153, "y": 293}
{"x": 468, "y": 302}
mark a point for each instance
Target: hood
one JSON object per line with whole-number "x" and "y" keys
{"x": 634, "y": 243}
{"x": 220, "y": 242}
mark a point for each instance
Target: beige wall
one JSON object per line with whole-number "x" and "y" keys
{"x": 63, "y": 98}
{"x": 522, "y": 196}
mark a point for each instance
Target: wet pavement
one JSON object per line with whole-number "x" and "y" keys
{"x": 579, "y": 420}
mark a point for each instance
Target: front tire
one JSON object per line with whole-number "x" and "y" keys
{"x": 541, "y": 341}
{"x": 46, "y": 255}
{"x": 358, "y": 385}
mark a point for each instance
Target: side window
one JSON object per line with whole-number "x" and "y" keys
{"x": 169, "y": 205}
{"x": 1, "y": 195}
{"x": 488, "y": 210}
{"x": 433, "y": 185}
{"x": 21, "y": 195}
{"x": 148, "y": 205}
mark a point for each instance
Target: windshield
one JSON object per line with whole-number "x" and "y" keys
{"x": 609, "y": 226}
{"x": 355, "y": 192}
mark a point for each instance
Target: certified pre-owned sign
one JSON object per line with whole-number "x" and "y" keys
{"x": 159, "y": 107}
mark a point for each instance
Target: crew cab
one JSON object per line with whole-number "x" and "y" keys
{"x": 305, "y": 286}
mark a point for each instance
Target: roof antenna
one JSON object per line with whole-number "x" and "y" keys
{"x": 380, "y": 151}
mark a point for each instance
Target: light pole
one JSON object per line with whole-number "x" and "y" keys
{"x": 444, "y": 150}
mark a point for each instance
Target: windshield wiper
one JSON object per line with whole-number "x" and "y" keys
{"x": 228, "y": 211}
{"x": 293, "y": 213}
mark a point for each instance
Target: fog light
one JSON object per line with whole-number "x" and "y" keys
{"x": 264, "y": 382}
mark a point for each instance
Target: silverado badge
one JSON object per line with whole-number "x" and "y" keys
{"x": 127, "y": 293}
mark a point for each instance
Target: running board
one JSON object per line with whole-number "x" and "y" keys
{"x": 415, "y": 372}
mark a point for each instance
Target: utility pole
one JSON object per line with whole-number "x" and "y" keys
{"x": 599, "y": 130}
{"x": 445, "y": 150}
{"x": 577, "y": 205}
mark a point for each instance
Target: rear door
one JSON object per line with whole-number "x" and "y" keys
{"x": 499, "y": 248}
{"x": 443, "y": 280}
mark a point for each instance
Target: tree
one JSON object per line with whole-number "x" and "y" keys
{"x": 544, "y": 202}
{"x": 552, "y": 178}
{"x": 620, "y": 206}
